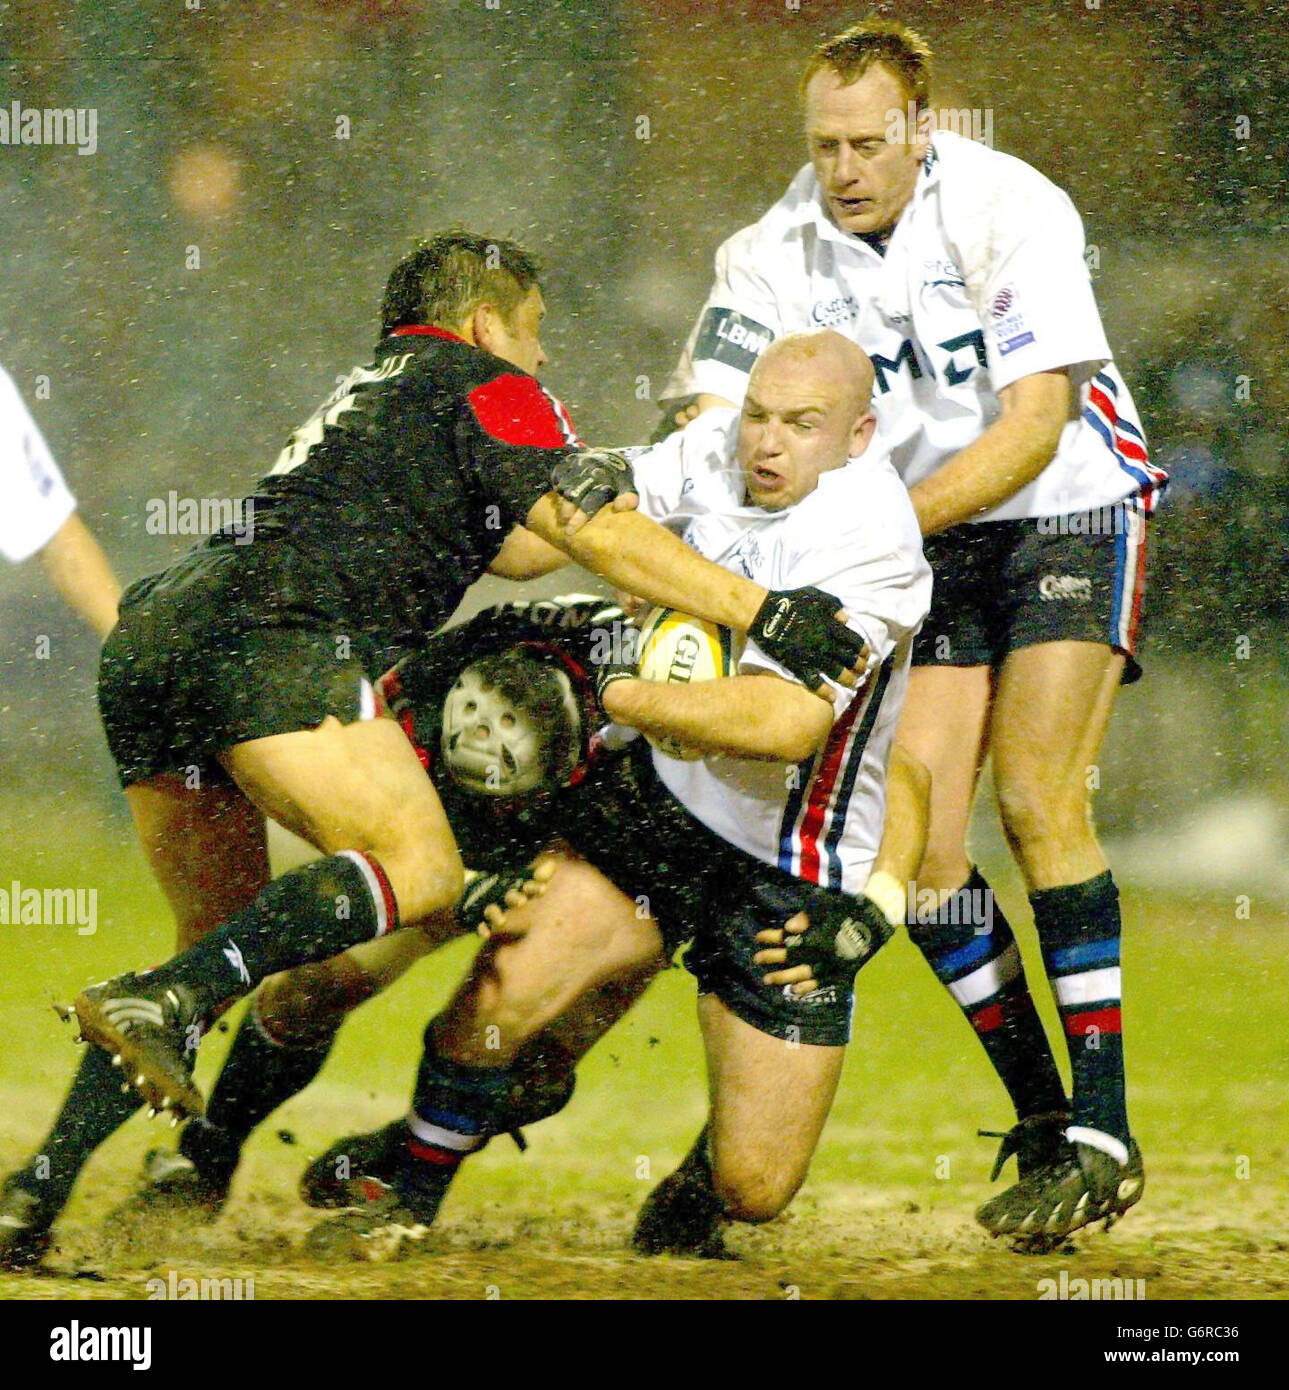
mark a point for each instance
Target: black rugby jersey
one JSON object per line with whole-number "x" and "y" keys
{"x": 385, "y": 505}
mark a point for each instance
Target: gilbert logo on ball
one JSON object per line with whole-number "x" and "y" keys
{"x": 677, "y": 649}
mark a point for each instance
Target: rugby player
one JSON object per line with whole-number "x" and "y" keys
{"x": 502, "y": 713}
{"x": 237, "y": 682}
{"x": 777, "y": 825}
{"x": 961, "y": 272}
{"x": 501, "y": 740}
{"x": 39, "y": 518}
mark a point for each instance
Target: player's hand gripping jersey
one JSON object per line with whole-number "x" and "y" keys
{"x": 983, "y": 282}
{"x": 854, "y": 536}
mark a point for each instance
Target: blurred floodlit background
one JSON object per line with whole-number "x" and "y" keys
{"x": 298, "y": 148}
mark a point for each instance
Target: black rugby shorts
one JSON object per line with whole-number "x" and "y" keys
{"x": 1004, "y": 585}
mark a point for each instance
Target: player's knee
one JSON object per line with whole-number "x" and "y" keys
{"x": 754, "y": 1192}
{"x": 1035, "y": 811}
{"x": 425, "y": 882}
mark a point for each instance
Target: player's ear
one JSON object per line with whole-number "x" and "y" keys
{"x": 485, "y": 325}
{"x": 861, "y": 434}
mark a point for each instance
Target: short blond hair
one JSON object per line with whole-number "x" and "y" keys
{"x": 851, "y": 53}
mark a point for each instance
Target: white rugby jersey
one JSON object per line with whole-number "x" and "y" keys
{"x": 983, "y": 282}
{"x": 855, "y": 536}
{"x": 34, "y": 499}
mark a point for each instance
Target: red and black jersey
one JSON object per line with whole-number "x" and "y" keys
{"x": 386, "y": 504}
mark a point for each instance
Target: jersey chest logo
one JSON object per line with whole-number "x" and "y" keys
{"x": 954, "y": 361}
{"x": 829, "y": 313}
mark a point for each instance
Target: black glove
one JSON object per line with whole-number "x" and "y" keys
{"x": 844, "y": 933}
{"x": 590, "y": 478}
{"x": 797, "y": 629}
{"x": 614, "y": 655}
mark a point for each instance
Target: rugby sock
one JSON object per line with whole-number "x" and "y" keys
{"x": 260, "y": 1073}
{"x": 454, "y": 1113}
{"x": 1079, "y": 928}
{"x": 309, "y": 914}
{"x": 969, "y": 944}
{"x": 697, "y": 1187}
{"x": 684, "y": 1214}
{"x": 95, "y": 1108}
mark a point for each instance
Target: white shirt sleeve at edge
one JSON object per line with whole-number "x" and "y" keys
{"x": 741, "y": 286}
{"x": 1019, "y": 233}
{"x": 34, "y": 498}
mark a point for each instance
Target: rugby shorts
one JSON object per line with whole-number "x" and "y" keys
{"x": 172, "y": 699}
{"x": 1004, "y": 585}
{"x": 701, "y": 890}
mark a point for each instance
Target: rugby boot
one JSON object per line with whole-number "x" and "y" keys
{"x": 172, "y": 1181}
{"x": 356, "y": 1170}
{"x": 1038, "y": 1141}
{"x": 1090, "y": 1185}
{"x": 151, "y": 1034}
{"x": 683, "y": 1215}
{"x": 25, "y": 1228}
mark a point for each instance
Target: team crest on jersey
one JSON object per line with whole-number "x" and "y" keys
{"x": 1008, "y": 323}
{"x": 747, "y": 554}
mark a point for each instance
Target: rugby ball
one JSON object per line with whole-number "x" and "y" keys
{"x": 677, "y": 649}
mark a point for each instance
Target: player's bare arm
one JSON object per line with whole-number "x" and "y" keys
{"x": 641, "y": 557}
{"x": 1008, "y": 456}
{"x": 762, "y": 717}
{"x": 526, "y": 556}
{"x": 79, "y": 570}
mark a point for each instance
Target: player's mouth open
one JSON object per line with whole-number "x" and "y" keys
{"x": 766, "y": 477}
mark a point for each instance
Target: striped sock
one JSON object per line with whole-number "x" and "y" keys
{"x": 1079, "y": 928}
{"x": 455, "y": 1111}
{"x": 308, "y": 914}
{"x": 969, "y": 944}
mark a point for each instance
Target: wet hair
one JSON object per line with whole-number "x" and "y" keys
{"x": 851, "y": 53}
{"x": 532, "y": 685}
{"x": 448, "y": 276}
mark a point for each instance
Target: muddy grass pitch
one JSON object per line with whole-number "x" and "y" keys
{"x": 885, "y": 1214}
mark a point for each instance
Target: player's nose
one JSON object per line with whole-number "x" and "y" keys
{"x": 845, "y": 168}
{"x": 771, "y": 443}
